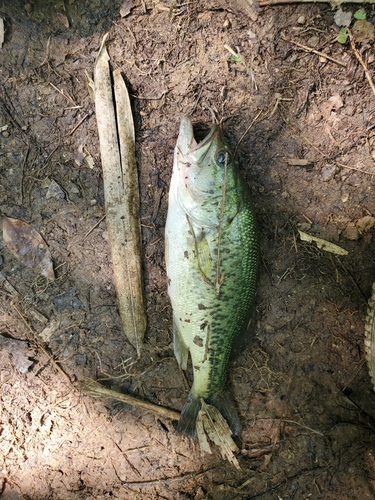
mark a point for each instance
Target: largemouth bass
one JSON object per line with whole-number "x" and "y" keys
{"x": 211, "y": 259}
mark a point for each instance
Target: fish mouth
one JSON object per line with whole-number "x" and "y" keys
{"x": 186, "y": 141}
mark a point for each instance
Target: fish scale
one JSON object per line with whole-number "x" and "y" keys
{"x": 211, "y": 260}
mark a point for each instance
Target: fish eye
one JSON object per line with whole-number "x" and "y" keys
{"x": 222, "y": 157}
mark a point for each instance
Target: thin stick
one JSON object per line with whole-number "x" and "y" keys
{"x": 246, "y": 131}
{"x": 67, "y": 96}
{"x": 95, "y": 389}
{"x": 354, "y": 168}
{"x": 23, "y": 171}
{"x": 96, "y": 225}
{"x": 79, "y": 123}
{"x": 47, "y": 52}
{"x": 361, "y": 61}
{"x": 303, "y": 426}
{"x": 264, "y": 3}
{"x": 309, "y": 49}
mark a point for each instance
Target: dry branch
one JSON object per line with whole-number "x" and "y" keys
{"x": 96, "y": 390}
{"x": 334, "y": 3}
{"x": 117, "y": 148}
{"x": 321, "y": 54}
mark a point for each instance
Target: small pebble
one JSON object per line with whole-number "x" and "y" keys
{"x": 55, "y": 191}
{"x": 313, "y": 41}
{"x": 301, "y": 20}
{"x": 304, "y": 226}
{"x": 73, "y": 188}
{"x": 328, "y": 172}
{"x": 345, "y": 197}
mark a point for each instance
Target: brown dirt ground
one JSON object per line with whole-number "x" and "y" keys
{"x": 301, "y": 386}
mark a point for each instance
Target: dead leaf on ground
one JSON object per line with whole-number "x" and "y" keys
{"x": 334, "y": 103}
{"x": 250, "y": 7}
{"x": 126, "y": 7}
{"x": 15, "y": 353}
{"x": 55, "y": 191}
{"x": 323, "y": 244}
{"x": 63, "y": 19}
{"x": 366, "y": 223}
{"x": 363, "y": 30}
{"x": 343, "y": 18}
{"x": 27, "y": 245}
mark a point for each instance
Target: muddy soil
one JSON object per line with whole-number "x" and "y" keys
{"x": 304, "y": 127}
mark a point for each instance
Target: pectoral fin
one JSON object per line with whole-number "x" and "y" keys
{"x": 181, "y": 351}
{"x": 204, "y": 257}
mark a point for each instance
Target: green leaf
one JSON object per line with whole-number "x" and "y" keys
{"x": 236, "y": 58}
{"x": 360, "y": 14}
{"x": 342, "y": 36}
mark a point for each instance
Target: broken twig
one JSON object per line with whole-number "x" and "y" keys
{"x": 94, "y": 389}
{"x": 361, "y": 62}
{"x": 334, "y": 3}
{"x": 309, "y": 49}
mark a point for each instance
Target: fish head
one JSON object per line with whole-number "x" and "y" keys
{"x": 204, "y": 169}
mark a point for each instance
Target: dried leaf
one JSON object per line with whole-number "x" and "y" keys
{"x": 55, "y": 191}
{"x": 366, "y": 223}
{"x": 15, "y": 353}
{"x": 126, "y": 7}
{"x": 343, "y": 18}
{"x": 27, "y": 245}
{"x": 90, "y": 161}
{"x": 63, "y": 19}
{"x": 117, "y": 149}
{"x": 334, "y": 103}
{"x": 249, "y": 7}
{"x": 323, "y": 244}
{"x": 50, "y": 329}
{"x": 363, "y": 30}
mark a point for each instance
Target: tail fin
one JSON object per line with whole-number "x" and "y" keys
{"x": 188, "y": 418}
{"x": 221, "y": 400}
